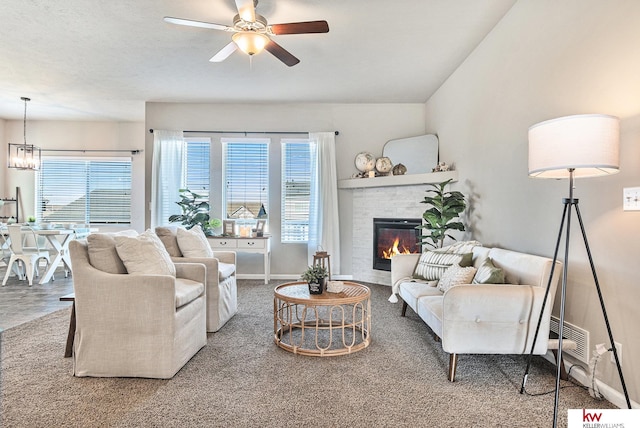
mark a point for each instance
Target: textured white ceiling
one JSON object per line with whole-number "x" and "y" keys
{"x": 102, "y": 60}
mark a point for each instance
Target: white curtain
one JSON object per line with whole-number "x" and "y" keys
{"x": 166, "y": 175}
{"x": 324, "y": 227}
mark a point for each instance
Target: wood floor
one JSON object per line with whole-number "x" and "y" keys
{"x": 20, "y": 302}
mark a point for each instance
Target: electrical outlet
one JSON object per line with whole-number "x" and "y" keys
{"x": 631, "y": 199}
{"x": 619, "y": 351}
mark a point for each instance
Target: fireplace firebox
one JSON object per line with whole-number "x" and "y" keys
{"x": 393, "y": 236}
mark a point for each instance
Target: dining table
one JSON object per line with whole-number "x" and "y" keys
{"x": 59, "y": 239}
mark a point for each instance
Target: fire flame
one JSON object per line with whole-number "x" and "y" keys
{"x": 393, "y": 250}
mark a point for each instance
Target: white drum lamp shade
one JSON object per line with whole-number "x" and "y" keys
{"x": 586, "y": 144}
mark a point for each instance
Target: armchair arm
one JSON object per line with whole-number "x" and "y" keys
{"x": 195, "y": 271}
{"x": 495, "y": 319}
{"x": 124, "y": 304}
{"x": 211, "y": 265}
{"x": 225, "y": 256}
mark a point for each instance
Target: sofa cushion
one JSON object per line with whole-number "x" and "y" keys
{"x": 144, "y": 254}
{"x": 187, "y": 291}
{"x": 102, "y": 251}
{"x": 225, "y": 270}
{"x": 168, "y": 236}
{"x": 488, "y": 273}
{"x": 432, "y": 264}
{"x": 411, "y": 291}
{"x": 193, "y": 243}
{"x": 456, "y": 275}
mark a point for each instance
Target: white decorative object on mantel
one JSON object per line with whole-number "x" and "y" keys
{"x": 365, "y": 162}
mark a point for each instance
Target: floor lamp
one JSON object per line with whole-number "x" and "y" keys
{"x": 573, "y": 147}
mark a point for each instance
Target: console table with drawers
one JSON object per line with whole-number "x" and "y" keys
{"x": 261, "y": 245}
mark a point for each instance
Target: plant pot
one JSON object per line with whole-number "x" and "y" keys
{"x": 317, "y": 287}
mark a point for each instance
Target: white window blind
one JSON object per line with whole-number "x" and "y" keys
{"x": 83, "y": 190}
{"x": 197, "y": 165}
{"x": 246, "y": 172}
{"x": 296, "y": 190}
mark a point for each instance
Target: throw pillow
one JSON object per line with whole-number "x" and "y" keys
{"x": 432, "y": 264}
{"x": 488, "y": 273}
{"x": 144, "y": 254}
{"x": 193, "y": 242}
{"x": 102, "y": 251}
{"x": 456, "y": 275}
{"x": 168, "y": 236}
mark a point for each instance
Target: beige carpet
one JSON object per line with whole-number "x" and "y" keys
{"x": 241, "y": 379}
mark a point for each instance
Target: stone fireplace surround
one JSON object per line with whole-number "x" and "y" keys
{"x": 372, "y": 202}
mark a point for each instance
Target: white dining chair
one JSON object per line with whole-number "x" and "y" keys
{"x": 5, "y": 253}
{"x": 29, "y": 256}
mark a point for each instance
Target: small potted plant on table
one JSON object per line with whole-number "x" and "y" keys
{"x": 316, "y": 277}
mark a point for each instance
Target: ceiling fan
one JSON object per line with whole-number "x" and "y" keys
{"x": 252, "y": 34}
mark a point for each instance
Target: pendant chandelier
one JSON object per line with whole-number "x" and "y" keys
{"x": 24, "y": 156}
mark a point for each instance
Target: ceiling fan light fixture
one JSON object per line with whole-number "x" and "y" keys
{"x": 250, "y": 42}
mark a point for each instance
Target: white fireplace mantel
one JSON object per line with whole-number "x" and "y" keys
{"x": 398, "y": 180}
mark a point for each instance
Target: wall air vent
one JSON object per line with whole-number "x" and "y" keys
{"x": 575, "y": 333}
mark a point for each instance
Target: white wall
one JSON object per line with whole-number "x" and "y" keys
{"x": 547, "y": 59}
{"x": 82, "y": 136}
{"x": 361, "y": 126}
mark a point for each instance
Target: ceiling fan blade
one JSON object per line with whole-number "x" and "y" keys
{"x": 300, "y": 28}
{"x": 281, "y": 53}
{"x": 246, "y": 10}
{"x": 200, "y": 24}
{"x": 224, "y": 52}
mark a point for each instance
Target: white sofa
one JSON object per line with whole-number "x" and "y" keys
{"x": 483, "y": 318}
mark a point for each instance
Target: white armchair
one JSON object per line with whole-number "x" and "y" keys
{"x": 139, "y": 325}
{"x": 222, "y": 294}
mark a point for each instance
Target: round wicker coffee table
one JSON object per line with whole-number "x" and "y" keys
{"x": 324, "y": 324}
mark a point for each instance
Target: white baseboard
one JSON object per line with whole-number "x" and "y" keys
{"x": 614, "y": 396}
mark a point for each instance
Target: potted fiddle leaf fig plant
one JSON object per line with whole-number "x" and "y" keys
{"x": 316, "y": 277}
{"x": 443, "y": 216}
{"x": 195, "y": 210}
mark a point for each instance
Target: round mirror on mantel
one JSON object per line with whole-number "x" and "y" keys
{"x": 419, "y": 154}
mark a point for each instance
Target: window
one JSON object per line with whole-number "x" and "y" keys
{"x": 246, "y": 174}
{"x": 297, "y": 158}
{"x": 193, "y": 174}
{"x": 196, "y": 167}
{"x": 84, "y": 190}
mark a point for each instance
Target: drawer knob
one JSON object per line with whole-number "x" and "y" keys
{"x": 251, "y": 243}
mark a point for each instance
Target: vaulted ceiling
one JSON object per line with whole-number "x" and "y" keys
{"x": 102, "y": 60}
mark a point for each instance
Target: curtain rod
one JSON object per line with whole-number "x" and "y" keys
{"x": 133, "y": 152}
{"x": 247, "y": 132}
